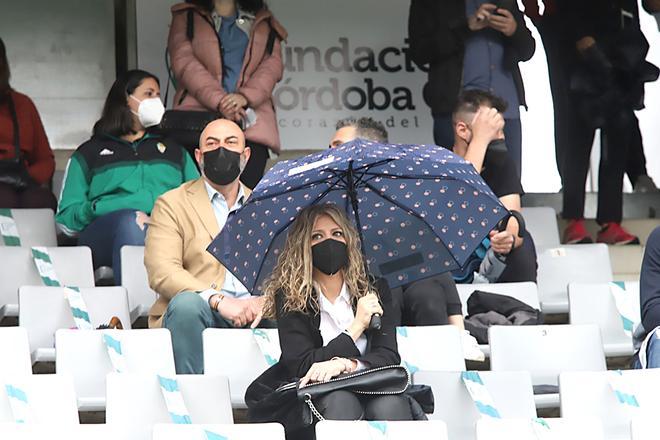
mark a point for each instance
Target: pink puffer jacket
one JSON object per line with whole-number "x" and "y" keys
{"x": 197, "y": 67}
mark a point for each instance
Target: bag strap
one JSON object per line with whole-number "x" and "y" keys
{"x": 190, "y": 24}
{"x": 272, "y": 35}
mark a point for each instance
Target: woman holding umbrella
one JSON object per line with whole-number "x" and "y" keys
{"x": 323, "y": 300}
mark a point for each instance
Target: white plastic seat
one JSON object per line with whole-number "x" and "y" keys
{"x": 234, "y": 353}
{"x": 594, "y": 304}
{"x": 15, "y": 350}
{"x": 579, "y": 263}
{"x": 72, "y": 264}
{"x": 36, "y": 227}
{"x": 51, "y": 398}
{"x": 44, "y": 310}
{"x": 511, "y": 392}
{"x": 135, "y": 402}
{"x": 541, "y": 223}
{"x": 431, "y": 348}
{"x": 589, "y": 394}
{"x": 589, "y": 428}
{"x": 51, "y": 431}
{"x": 419, "y": 430}
{"x": 546, "y": 351}
{"x": 134, "y": 279}
{"x": 249, "y": 431}
{"x": 83, "y": 354}
{"x": 644, "y": 429}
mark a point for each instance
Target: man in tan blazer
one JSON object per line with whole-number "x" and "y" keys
{"x": 195, "y": 291}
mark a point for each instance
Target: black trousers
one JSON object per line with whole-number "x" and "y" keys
{"x": 426, "y": 302}
{"x": 254, "y": 170}
{"x": 521, "y": 263}
{"x": 34, "y": 196}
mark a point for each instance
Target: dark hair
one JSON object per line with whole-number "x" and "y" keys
{"x": 365, "y": 128}
{"x": 5, "y": 74}
{"x": 470, "y": 100}
{"x": 251, "y": 6}
{"x": 116, "y": 118}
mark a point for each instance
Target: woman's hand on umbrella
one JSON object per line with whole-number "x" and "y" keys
{"x": 502, "y": 242}
{"x": 367, "y": 306}
{"x": 323, "y": 371}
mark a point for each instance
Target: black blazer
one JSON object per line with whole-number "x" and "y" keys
{"x": 302, "y": 344}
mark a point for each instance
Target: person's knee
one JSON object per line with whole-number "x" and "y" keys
{"x": 8, "y": 197}
{"x": 186, "y": 307}
{"x": 341, "y": 405}
{"x": 388, "y": 408}
{"x": 38, "y": 197}
{"x": 129, "y": 231}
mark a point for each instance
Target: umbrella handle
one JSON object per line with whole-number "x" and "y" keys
{"x": 502, "y": 224}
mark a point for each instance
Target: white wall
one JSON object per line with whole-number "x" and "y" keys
{"x": 62, "y": 55}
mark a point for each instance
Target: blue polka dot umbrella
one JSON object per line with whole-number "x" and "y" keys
{"x": 420, "y": 210}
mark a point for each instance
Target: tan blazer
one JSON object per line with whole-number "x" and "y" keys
{"x": 181, "y": 228}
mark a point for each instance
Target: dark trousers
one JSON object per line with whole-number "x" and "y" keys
{"x": 33, "y": 197}
{"x": 521, "y": 264}
{"x": 426, "y": 302}
{"x": 443, "y": 135}
{"x": 254, "y": 170}
{"x": 107, "y": 234}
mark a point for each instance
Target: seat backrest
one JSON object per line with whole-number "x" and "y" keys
{"x": 51, "y": 398}
{"x": 83, "y": 354}
{"x": 546, "y": 350}
{"x": 57, "y": 431}
{"x": 135, "y": 402}
{"x": 590, "y": 394}
{"x": 589, "y": 428}
{"x": 44, "y": 310}
{"x": 234, "y": 353}
{"x": 134, "y": 279}
{"x": 419, "y": 430}
{"x": 73, "y": 266}
{"x": 511, "y": 392}
{"x": 248, "y": 431}
{"x": 15, "y": 350}
{"x": 644, "y": 429}
{"x": 593, "y": 303}
{"x": 447, "y": 352}
{"x": 36, "y": 227}
{"x": 541, "y": 223}
{"x": 526, "y": 292}
{"x": 581, "y": 263}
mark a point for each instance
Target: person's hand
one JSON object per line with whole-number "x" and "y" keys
{"x": 479, "y": 20}
{"x": 257, "y": 307}
{"x": 323, "y": 371}
{"x": 237, "y": 311}
{"x": 487, "y": 125}
{"x": 585, "y": 43}
{"x": 141, "y": 219}
{"x": 503, "y": 21}
{"x": 232, "y": 106}
{"x": 502, "y": 242}
{"x": 366, "y": 307}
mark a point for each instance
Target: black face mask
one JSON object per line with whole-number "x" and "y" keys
{"x": 329, "y": 256}
{"x": 222, "y": 166}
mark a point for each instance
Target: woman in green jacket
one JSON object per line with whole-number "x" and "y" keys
{"x": 113, "y": 179}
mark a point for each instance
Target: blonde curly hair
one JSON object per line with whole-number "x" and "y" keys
{"x": 292, "y": 275}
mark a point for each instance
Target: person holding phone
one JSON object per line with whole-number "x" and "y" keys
{"x": 471, "y": 44}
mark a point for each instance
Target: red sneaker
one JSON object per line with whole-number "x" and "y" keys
{"x": 613, "y": 233}
{"x": 576, "y": 233}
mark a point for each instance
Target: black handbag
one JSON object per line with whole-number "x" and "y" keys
{"x": 13, "y": 171}
{"x": 185, "y": 126}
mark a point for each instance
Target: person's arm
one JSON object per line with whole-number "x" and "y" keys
{"x": 259, "y": 87}
{"x": 430, "y": 40}
{"x": 190, "y": 171}
{"x": 487, "y": 126}
{"x": 512, "y": 203}
{"x": 649, "y": 282}
{"x": 41, "y": 161}
{"x": 522, "y": 42}
{"x": 75, "y": 210}
{"x": 190, "y": 73}
{"x": 163, "y": 254}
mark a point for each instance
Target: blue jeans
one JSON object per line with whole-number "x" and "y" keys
{"x": 107, "y": 234}
{"x": 443, "y": 135}
{"x": 652, "y": 353}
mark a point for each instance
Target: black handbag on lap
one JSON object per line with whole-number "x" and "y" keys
{"x": 13, "y": 171}
{"x": 185, "y": 126}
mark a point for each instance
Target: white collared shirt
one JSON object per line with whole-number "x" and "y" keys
{"x": 337, "y": 317}
{"x": 231, "y": 286}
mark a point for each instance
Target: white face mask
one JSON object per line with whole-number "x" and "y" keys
{"x": 150, "y": 111}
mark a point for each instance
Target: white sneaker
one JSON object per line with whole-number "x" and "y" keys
{"x": 471, "y": 350}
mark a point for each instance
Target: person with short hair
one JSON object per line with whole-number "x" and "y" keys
{"x": 351, "y": 128}
{"x": 478, "y": 122}
{"x": 24, "y": 179}
{"x": 195, "y": 291}
{"x": 649, "y": 294}
{"x": 113, "y": 179}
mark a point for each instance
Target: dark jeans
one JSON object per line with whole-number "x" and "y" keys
{"x": 254, "y": 170}
{"x": 107, "y": 234}
{"x": 443, "y": 135}
{"x": 426, "y": 302}
{"x": 32, "y": 197}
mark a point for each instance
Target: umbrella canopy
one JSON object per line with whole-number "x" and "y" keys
{"x": 420, "y": 210}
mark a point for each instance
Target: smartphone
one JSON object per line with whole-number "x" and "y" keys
{"x": 506, "y": 4}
